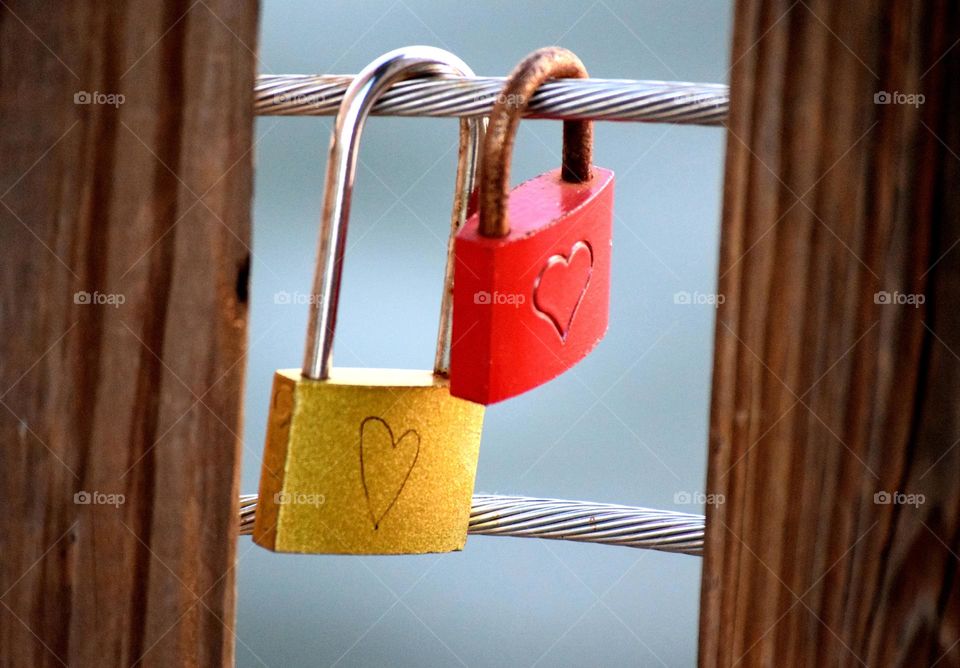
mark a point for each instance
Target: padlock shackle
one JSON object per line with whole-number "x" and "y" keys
{"x": 361, "y": 95}
{"x": 551, "y": 62}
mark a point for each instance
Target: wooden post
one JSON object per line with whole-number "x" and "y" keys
{"x": 836, "y": 394}
{"x": 125, "y": 187}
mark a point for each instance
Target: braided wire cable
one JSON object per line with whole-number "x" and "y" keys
{"x": 557, "y": 519}
{"x": 586, "y": 99}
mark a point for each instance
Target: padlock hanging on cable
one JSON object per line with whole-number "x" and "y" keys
{"x": 369, "y": 461}
{"x": 532, "y": 277}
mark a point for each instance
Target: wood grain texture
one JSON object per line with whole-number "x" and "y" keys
{"x": 824, "y": 398}
{"x": 145, "y": 202}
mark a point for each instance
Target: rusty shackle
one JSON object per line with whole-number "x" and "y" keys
{"x": 551, "y": 62}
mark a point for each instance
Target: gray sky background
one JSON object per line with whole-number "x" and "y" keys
{"x": 627, "y": 425}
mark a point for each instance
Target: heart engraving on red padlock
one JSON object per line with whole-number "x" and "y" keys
{"x": 382, "y": 485}
{"x": 557, "y": 283}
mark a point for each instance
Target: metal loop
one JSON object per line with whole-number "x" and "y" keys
{"x": 361, "y": 95}
{"x": 541, "y": 65}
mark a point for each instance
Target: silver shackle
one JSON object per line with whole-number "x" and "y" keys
{"x": 372, "y": 82}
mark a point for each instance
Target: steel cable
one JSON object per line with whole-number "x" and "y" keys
{"x": 597, "y": 99}
{"x": 557, "y": 519}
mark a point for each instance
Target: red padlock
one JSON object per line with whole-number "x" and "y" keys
{"x": 532, "y": 274}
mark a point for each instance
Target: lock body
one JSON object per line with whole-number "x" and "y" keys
{"x": 530, "y": 305}
{"x": 369, "y": 461}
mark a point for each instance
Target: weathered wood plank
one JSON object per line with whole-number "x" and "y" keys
{"x": 143, "y": 202}
{"x": 824, "y": 398}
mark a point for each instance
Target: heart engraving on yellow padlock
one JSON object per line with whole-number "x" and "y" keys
{"x": 380, "y": 490}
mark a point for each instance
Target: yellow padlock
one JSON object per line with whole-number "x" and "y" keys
{"x": 369, "y": 461}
